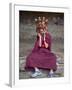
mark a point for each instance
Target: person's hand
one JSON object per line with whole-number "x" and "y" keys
{"x": 46, "y": 44}
{"x": 39, "y": 35}
{"x": 40, "y": 41}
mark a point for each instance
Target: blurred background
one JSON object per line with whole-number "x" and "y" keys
{"x": 27, "y": 37}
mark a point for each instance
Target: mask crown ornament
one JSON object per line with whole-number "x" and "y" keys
{"x": 41, "y": 23}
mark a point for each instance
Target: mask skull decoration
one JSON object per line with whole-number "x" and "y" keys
{"x": 41, "y": 24}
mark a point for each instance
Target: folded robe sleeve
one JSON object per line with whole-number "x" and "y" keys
{"x": 48, "y": 40}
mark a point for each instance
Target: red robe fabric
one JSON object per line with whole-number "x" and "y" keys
{"x": 41, "y": 57}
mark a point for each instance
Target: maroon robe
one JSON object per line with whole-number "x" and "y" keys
{"x": 41, "y": 57}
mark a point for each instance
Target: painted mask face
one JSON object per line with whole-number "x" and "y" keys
{"x": 41, "y": 27}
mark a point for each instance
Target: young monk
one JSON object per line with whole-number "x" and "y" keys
{"x": 41, "y": 56}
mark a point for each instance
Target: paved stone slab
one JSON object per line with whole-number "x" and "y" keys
{"x": 26, "y": 75}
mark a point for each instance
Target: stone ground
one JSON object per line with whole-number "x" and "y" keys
{"x": 27, "y": 39}
{"x": 57, "y": 47}
{"x": 26, "y": 75}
